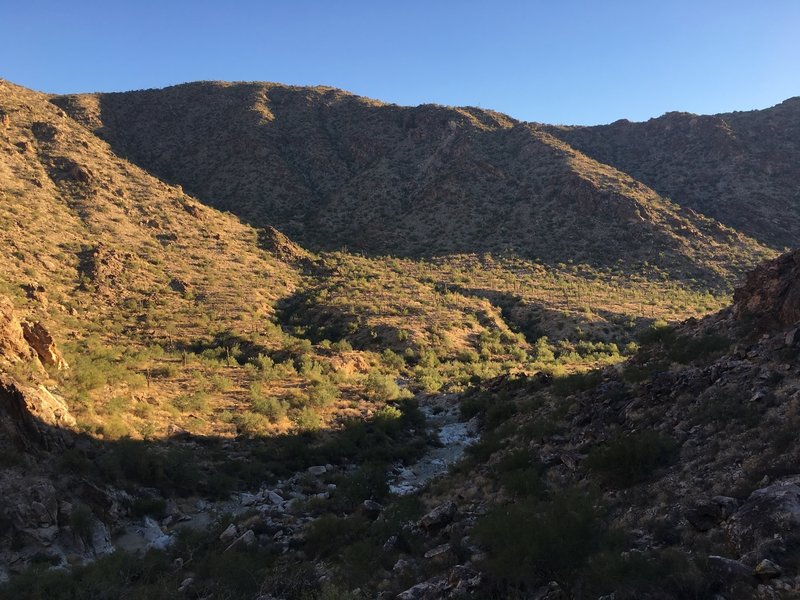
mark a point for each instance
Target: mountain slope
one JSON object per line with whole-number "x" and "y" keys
{"x": 332, "y": 169}
{"x": 739, "y": 168}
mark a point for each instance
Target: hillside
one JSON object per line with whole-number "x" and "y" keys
{"x": 333, "y": 170}
{"x": 259, "y": 341}
{"x": 738, "y": 168}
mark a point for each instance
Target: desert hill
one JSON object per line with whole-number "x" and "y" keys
{"x": 276, "y": 342}
{"x": 738, "y": 168}
{"x": 334, "y": 170}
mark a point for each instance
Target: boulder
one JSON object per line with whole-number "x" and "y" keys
{"x": 726, "y": 571}
{"x": 13, "y": 346}
{"x": 769, "y": 513}
{"x": 247, "y": 539}
{"x": 34, "y": 416}
{"x": 771, "y": 292}
{"x": 371, "y": 509}
{"x": 42, "y": 343}
{"x": 229, "y": 534}
{"x": 439, "y": 517}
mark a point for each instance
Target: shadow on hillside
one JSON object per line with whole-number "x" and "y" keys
{"x": 185, "y": 465}
{"x": 526, "y": 317}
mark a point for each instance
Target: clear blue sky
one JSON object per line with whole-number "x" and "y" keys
{"x": 556, "y": 61}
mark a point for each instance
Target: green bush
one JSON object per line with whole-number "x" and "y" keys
{"x": 521, "y": 474}
{"x": 382, "y": 388}
{"x": 532, "y": 542}
{"x": 81, "y": 520}
{"x": 686, "y": 349}
{"x": 629, "y": 459}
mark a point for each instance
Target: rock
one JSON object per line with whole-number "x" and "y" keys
{"x": 37, "y": 292}
{"x": 42, "y": 343}
{"x": 229, "y": 534}
{"x": 103, "y": 267}
{"x": 178, "y": 285}
{"x": 439, "y": 517}
{"x": 440, "y": 553}
{"x": 276, "y": 499}
{"x": 371, "y": 509}
{"x": 44, "y": 536}
{"x": 727, "y": 505}
{"x": 275, "y": 242}
{"x": 186, "y": 584}
{"x": 34, "y": 416}
{"x": 704, "y": 515}
{"x": 13, "y": 345}
{"x": 247, "y": 539}
{"x": 768, "y": 512}
{"x": 767, "y": 569}
{"x": 248, "y": 499}
{"x": 771, "y": 292}
{"x": 401, "y": 566}
{"x": 156, "y": 539}
{"x": 792, "y": 337}
{"x": 318, "y": 470}
{"x": 726, "y": 571}
{"x": 390, "y": 544}
{"x": 101, "y": 539}
{"x": 433, "y": 588}
{"x": 463, "y": 578}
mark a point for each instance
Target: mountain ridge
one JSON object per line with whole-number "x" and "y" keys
{"x": 334, "y": 170}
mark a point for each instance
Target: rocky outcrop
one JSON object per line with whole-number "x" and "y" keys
{"x": 771, "y": 293}
{"x": 103, "y": 267}
{"x": 272, "y": 240}
{"x": 33, "y": 416}
{"x": 13, "y": 345}
{"x": 43, "y": 344}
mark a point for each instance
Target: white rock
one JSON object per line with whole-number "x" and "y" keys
{"x": 229, "y": 534}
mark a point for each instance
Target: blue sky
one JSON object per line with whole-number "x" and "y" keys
{"x": 566, "y": 61}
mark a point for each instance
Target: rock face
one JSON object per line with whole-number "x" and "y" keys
{"x": 771, "y": 292}
{"x": 770, "y": 514}
{"x": 13, "y": 345}
{"x": 42, "y": 343}
{"x": 33, "y": 416}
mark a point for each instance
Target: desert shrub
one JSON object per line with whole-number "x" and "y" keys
{"x": 392, "y": 360}
{"x": 469, "y": 356}
{"x": 322, "y": 393}
{"x": 543, "y": 351}
{"x": 327, "y": 534}
{"x": 272, "y": 408}
{"x": 264, "y": 364}
{"x": 532, "y": 541}
{"x": 686, "y": 349}
{"x": 167, "y": 371}
{"x": 521, "y": 474}
{"x": 307, "y": 419}
{"x": 342, "y": 346}
{"x": 251, "y": 424}
{"x": 191, "y": 402}
{"x": 659, "y": 332}
{"x": 629, "y": 459}
{"x": 382, "y": 388}
{"x": 576, "y": 383}
{"x": 430, "y": 380}
{"x": 81, "y": 520}
{"x": 220, "y": 383}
